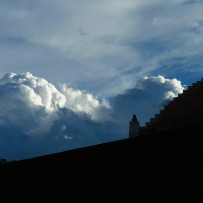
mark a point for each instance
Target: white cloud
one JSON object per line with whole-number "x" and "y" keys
{"x": 100, "y": 46}
{"x": 83, "y": 102}
{"x": 68, "y": 137}
{"x": 146, "y": 99}
{"x": 33, "y": 104}
{"x": 36, "y": 118}
{"x": 115, "y": 41}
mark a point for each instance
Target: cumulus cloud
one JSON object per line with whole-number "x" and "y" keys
{"x": 29, "y": 102}
{"x": 33, "y": 104}
{"x": 146, "y": 99}
{"x": 82, "y": 102}
{"x": 36, "y": 118}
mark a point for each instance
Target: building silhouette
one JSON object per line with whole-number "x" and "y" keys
{"x": 168, "y": 153}
{"x": 183, "y": 111}
{"x": 134, "y": 127}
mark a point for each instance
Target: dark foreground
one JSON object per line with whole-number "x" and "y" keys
{"x": 164, "y": 166}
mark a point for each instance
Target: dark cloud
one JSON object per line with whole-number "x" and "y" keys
{"x": 145, "y": 100}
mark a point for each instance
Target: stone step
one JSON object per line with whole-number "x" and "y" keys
{"x": 174, "y": 98}
{"x": 152, "y": 120}
{"x": 156, "y": 116}
{"x": 161, "y": 111}
{"x": 165, "y": 106}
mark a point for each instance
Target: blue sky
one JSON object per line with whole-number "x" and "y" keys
{"x": 100, "y": 49}
{"x": 109, "y": 44}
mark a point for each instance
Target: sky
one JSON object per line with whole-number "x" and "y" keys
{"x": 72, "y": 73}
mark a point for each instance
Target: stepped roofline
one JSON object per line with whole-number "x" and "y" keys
{"x": 179, "y": 101}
